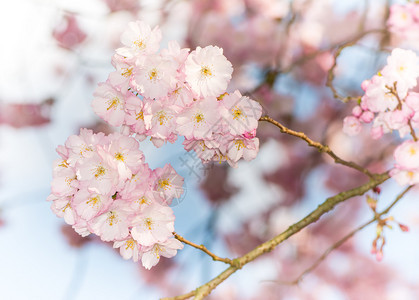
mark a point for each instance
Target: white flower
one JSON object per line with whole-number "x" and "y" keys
{"x": 208, "y": 71}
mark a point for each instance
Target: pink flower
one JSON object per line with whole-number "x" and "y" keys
{"x": 241, "y": 113}
{"x": 156, "y": 78}
{"x": 70, "y": 35}
{"x": 160, "y": 122}
{"x": 377, "y": 97}
{"x": 168, "y": 183}
{"x": 64, "y": 181}
{"x": 412, "y": 100}
{"x": 89, "y": 205}
{"x": 83, "y": 145}
{"x": 402, "y": 67}
{"x": 108, "y": 103}
{"x": 153, "y": 225}
{"x": 405, "y": 177}
{"x": 128, "y": 249}
{"x": 208, "y": 71}
{"x": 400, "y": 18}
{"x": 62, "y": 207}
{"x": 97, "y": 176}
{"x": 112, "y": 224}
{"x": 199, "y": 120}
{"x": 407, "y": 155}
{"x": 351, "y": 126}
{"x": 139, "y": 40}
{"x": 151, "y": 256}
{"x": 246, "y": 148}
{"x": 124, "y": 154}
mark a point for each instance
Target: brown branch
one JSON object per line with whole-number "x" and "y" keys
{"x": 268, "y": 246}
{"x": 202, "y": 248}
{"x": 319, "y": 146}
{"x": 348, "y": 236}
{"x": 330, "y": 73}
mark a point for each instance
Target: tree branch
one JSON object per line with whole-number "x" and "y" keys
{"x": 348, "y": 236}
{"x": 268, "y": 246}
{"x": 319, "y": 146}
{"x": 202, "y": 248}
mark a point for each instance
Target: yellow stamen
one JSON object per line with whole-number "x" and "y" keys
{"x": 153, "y": 74}
{"x": 129, "y": 244}
{"x": 148, "y": 223}
{"x": 164, "y": 183}
{"x": 206, "y": 71}
{"x": 119, "y": 156}
{"x": 199, "y": 117}
{"x": 127, "y": 72}
{"x": 140, "y": 115}
{"x": 64, "y": 164}
{"x": 162, "y": 117}
{"x": 67, "y": 206}
{"x": 112, "y": 218}
{"x": 113, "y": 103}
{"x": 140, "y": 44}
{"x": 100, "y": 170}
{"x": 239, "y": 144}
{"x": 94, "y": 201}
{"x": 237, "y": 113}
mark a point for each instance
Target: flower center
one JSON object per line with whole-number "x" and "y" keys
{"x": 164, "y": 183}
{"x": 100, "y": 171}
{"x": 119, "y": 156}
{"x": 148, "y": 222}
{"x": 140, "y": 44}
{"x": 153, "y": 75}
{"x": 113, "y": 103}
{"x": 206, "y": 71}
{"x": 112, "y": 218}
{"x": 94, "y": 201}
{"x": 126, "y": 72}
{"x": 237, "y": 113}
{"x": 199, "y": 117}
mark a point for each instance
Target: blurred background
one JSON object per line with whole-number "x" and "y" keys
{"x": 53, "y": 55}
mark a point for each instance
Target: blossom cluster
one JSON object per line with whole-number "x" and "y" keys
{"x": 178, "y": 92}
{"x": 404, "y": 20}
{"x": 101, "y": 185}
{"x": 390, "y": 104}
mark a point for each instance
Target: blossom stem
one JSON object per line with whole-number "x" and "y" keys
{"x": 268, "y": 246}
{"x": 319, "y": 146}
{"x": 203, "y": 249}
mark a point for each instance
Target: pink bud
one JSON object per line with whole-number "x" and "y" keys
{"x": 367, "y": 116}
{"x": 379, "y": 255}
{"x": 365, "y": 84}
{"x": 357, "y": 111}
{"x": 377, "y": 190}
{"x": 404, "y": 228}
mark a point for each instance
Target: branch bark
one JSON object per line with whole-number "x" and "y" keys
{"x": 348, "y": 236}
{"x": 319, "y": 146}
{"x": 268, "y": 246}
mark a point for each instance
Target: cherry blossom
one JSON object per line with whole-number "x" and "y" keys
{"x": 208, "y": 71}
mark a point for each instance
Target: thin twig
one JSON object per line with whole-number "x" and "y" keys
{"x": 202, "y": 248}
{"x": 348, "y": 236}
{"x": 331, "y": 75}
{"x": 268, "y": 246}
{"x": 319, "y": 146}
